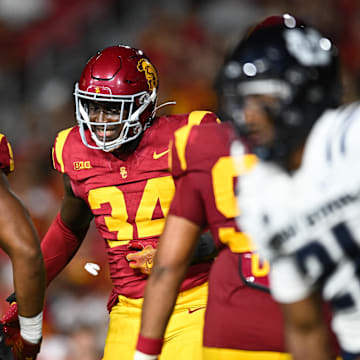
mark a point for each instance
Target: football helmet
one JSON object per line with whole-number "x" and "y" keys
{"x": 290, "y": 61}
{"x": 115, "y": 97}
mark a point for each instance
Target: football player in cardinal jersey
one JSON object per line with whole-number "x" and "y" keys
{"x": 19, "y": 240}
{"x": 115, "y": 166}
{"x": 281, "y": 88}
{"x": 242, "y": 321}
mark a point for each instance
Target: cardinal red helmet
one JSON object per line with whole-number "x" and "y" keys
{"x": 121, "y": 82}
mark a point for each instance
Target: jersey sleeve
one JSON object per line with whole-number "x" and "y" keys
{"x": 187, "y": 202}
{"x": 6, "y": 155}
{"x": 58, "y": 150}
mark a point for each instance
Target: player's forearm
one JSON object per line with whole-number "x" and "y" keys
{"x": 160, "y": 297}
{"x": 312, "y": 344}
{"x": 20, "y": 241}
{"x": 306, "y": 332}
{"x": 171, "y": 262}
{"x": 29, "y": 284}
{"x": 29, "y": 273}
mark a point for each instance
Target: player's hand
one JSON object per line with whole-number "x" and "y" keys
{"x": 142, "y": 259}
{"x": 10, "y": 323}
{"x": 22, "y": 349}
{"x": 5, "y": 351}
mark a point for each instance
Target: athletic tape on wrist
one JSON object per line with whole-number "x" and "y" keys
{"x": 31, "y": 328}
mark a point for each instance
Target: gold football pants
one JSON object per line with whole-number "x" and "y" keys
{"x": 183, "y": 337}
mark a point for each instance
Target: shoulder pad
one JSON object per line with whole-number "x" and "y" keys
{"x": 198, "y": 146}
{"x": 177, "y": 159}
{"x": 201, "y": 117}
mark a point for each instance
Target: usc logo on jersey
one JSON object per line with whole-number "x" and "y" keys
{"x": 81, "y": 165}
{"x": 150, "y": 73}
{"x": 123, "y": 172}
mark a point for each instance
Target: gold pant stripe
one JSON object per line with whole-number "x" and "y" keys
{"x": 231, "y": 354}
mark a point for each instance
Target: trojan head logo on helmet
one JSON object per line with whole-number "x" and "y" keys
{"x": 115, "y": 97}
{"x": 294, "y": 68}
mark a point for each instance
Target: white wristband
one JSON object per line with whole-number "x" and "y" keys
{"x": 141, "y": 356}
{"x": 31, "y": 328}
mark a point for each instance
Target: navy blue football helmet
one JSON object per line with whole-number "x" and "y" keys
{"x": 285, "y": 58}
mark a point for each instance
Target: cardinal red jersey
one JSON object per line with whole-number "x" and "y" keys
{"x": 6, "y": 155}
{"x": 240, "y": 313}
{"x": 129, "y": 197}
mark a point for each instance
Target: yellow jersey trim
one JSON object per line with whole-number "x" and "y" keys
{"x": 181, "y": 137}
{"x": 195, "y": 117}
{"x": 238, "y": 242}
{"x": 12, "y": 164}
{"x": 182, "y": 134}
{"x": 59, "y": 146}
{"x": 115, "y": 243}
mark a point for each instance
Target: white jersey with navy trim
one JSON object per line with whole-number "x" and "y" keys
{"x": 308, "y": 223}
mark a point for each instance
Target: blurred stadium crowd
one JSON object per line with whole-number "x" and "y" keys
{"x": 44, "y": 45}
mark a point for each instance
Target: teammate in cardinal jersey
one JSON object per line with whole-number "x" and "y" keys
{"x": 242, "y": 321}
{"x": 115, "y": 166}
{"x": 19, "y": 240}
{"x": 281, "y": 88}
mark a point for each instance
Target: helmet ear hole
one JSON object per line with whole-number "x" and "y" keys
{"x": 144, "y": 98}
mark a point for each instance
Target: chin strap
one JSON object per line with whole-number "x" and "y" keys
{"x": 164, "y": 104}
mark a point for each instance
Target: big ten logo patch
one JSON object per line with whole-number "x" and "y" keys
{"x": 123, "y": 172}
{"x": 81, "y": 165}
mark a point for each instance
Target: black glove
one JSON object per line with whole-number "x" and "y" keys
{"x": 5, "y": 351}
{"x": 205, "y": 250}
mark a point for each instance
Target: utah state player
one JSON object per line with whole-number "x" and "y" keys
{"x": 242, "y": 321}
{"x": 115, "y": 166}
{"x": 19, "y": 240}
{"x": 301, "y": 203}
